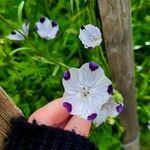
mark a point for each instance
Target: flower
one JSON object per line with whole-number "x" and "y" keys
{"x": 46, "y": 28}
{"x": 19, "y": 36}
{"x": 90, "y": 36}
{"x": 86, "y": 90}
{"x": 109, "y": 109}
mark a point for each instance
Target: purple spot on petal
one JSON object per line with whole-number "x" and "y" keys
{"x": 92, "y": 116}
{"x": 93, "y": 66}
{"x": 36, "y": 28}
{"x": 54, "y": 24}
{"x": 90, "y": 48}
{"x": 13, "y": 32}
{"x": 119, "y": 108}
{"x": 68, "y": 106}
{"x": 26, "y": 22}
{"x": 42, "y": 19}
{"x": 67, "y": 75}
{"x": 82, "y": 27}
{"x": 110, "y": 89}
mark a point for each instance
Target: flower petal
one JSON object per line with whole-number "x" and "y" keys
{"x": 89, "y": 110}
{"x": 71, "y": 80}
{"x": 74, "y": 101}
{"x": 93, "y": 66}
{"x": 15, "y": 35}
{"x": 89, "y": 75}
{"x": 119, "y": 108}
{"x": 93, "y": 30}
{"x": 110, "y": 89}
{"x": 100, "y": 98}
{"x": 92, "y": 116}
{"x": 103, "y": 81}
{"x": 68, "y": 106}
{"x": 100, "y": 90}
{"x": 54, "y": 24}
{"x": 25, "y": 28}
{"x": 67, "y": 75}
{"x": 101, "y": 117}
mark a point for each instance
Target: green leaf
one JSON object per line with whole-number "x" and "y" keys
{"x": 55, "y": 70}
{"x": 20, "y": 9}
{"x": 72, "y": 5}
{"x": 18, "y": 50}
{"x": 77, "y": 4}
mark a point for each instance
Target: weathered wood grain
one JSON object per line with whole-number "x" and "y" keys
{"x": 7, "y": 107}
{"x": 4, "y": 126}
{"x": 116, "y": 26}
{"x": 8, "y": 110}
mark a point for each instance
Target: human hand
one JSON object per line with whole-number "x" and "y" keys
{"x": 54, "y": 114}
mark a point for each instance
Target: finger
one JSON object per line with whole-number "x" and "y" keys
{"x": 79, "y": 126}
{"x": 64, "y": 123}
{"x": 51, "y": 114}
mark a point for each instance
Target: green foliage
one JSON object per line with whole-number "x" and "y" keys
{"x": 108, "y": 137}
{"x": 141, "y": 41}
{"x": 31, "y": 70}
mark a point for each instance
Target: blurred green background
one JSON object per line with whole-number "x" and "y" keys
{"x": 31, "y": 73}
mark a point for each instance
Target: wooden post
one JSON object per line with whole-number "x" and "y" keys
{"x": 8, "y": 110}
{"x": 116, "y": 26}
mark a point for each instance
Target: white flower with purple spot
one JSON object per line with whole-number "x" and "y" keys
{"x": 46, "y": 28}
{"x": 90, "y": 36}
{"x": 19, "y": 36}
{"x": 86, "y": 90}
{"x": 109, "y": 109}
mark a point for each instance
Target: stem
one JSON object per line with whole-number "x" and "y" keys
{"x": 50, "y": 61}
{"x": 46, "y": 7}
{"x": 91, "y": 11}
{"x": 4, "y": 50}
{"x": 47, "y": 49}
{"x": 103, "y": 57}
{"x": 80, "y": 56}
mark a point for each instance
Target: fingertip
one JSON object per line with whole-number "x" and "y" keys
{"x": 79, "y": 126}
{"x": 30, "y": 119}
{"x": 51, "y": 114}
{"x": 35, "y": 118}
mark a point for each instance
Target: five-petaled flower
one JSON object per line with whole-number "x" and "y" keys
{"x": 46, "y": 28}
{"x": 19, "y": 36}
{"x": 86, "y": 90}
{"x": 90, "y": 36}
{"x": 109, "y": 109}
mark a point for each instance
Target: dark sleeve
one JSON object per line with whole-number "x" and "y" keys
{"x": 27, "y": 136}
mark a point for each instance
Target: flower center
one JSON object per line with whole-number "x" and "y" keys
{"x": 92, "y": 38}
{"x": 85, "y": 91}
